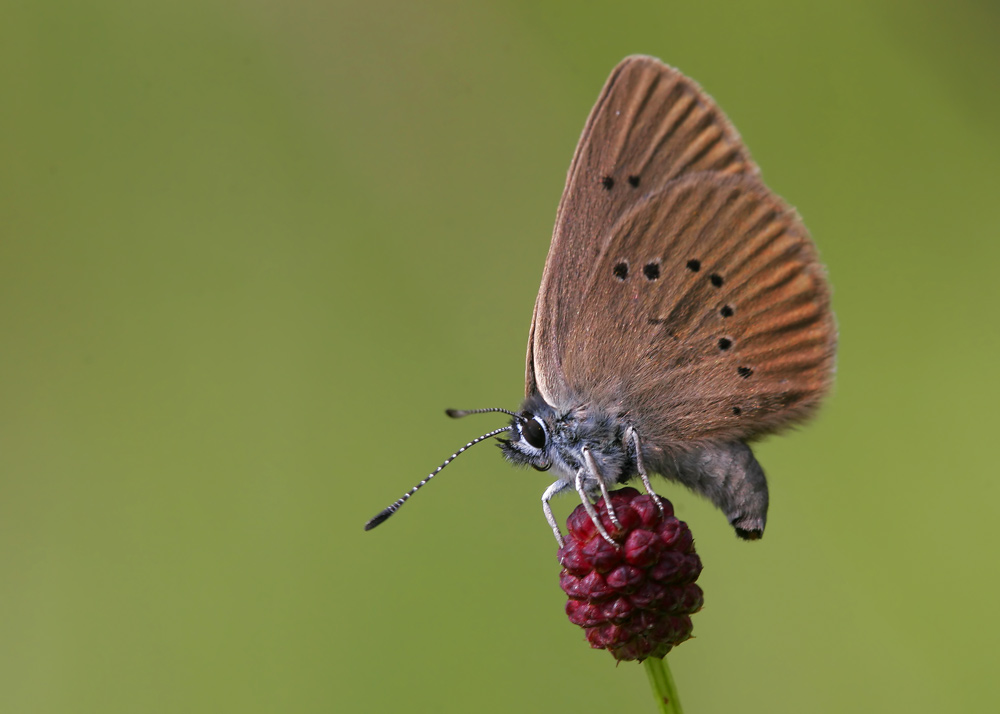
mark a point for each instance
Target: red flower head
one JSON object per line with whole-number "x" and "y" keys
{"x": 635, "y": 600}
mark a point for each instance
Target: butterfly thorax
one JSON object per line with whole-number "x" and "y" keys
{"x": 545, "y": 438}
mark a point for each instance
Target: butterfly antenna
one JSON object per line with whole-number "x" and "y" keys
{"x": 459, "y": 413}
{"x": 381, "y": 517}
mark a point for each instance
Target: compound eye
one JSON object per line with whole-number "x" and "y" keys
{"x": 533, "y": 433}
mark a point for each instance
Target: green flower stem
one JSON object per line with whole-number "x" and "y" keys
{"x": 662, "y": 683}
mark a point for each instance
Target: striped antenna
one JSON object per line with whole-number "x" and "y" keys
{"x": 381, "y": 517}
{"x": 459, "y": 413}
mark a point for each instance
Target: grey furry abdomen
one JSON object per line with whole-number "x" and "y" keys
{"x": 726, "y": 474}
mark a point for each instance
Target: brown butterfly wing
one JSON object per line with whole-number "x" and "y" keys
{"x": 678, "y": 288}
{"x": 650, "y": 125}
{"x": 706, "y": 315}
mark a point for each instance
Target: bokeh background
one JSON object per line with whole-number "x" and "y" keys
{"x": 249, "y": 251}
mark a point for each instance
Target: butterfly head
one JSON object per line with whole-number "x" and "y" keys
{"x": 543, "y": 437}
{"x": 531, "y": 436}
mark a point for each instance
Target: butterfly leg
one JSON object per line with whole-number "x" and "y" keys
{"x": 633, "y": 436}
{"x": 591, "y": 511}
{"x": 551, "y": 491}
{"x": 592, "y": 464}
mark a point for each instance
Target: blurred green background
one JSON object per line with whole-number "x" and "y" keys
{"x": 249, "y": 251}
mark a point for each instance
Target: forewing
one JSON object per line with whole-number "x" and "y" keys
{"x": 706, "y": 315}
{"x": 650, "y": 125}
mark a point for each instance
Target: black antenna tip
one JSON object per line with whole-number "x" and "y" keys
{"x": 454, "y": 413}
{"x": 379, "y": 519}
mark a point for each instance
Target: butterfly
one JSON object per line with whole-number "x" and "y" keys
{"x": 683, "y": 311}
